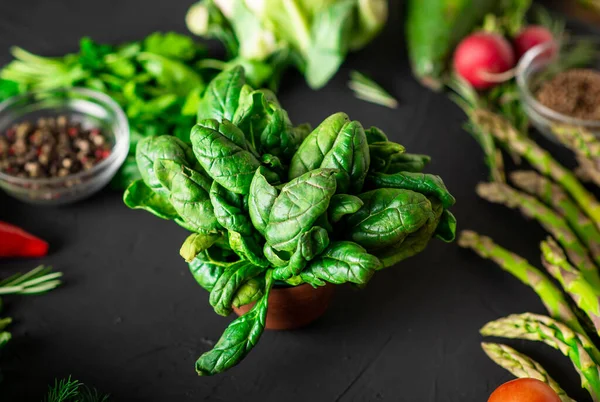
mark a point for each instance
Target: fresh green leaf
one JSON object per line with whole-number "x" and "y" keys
{"x": 226, "y": 287}
{"x": 221, "y": 150}
{"x": 342, "y": 205}
{"x": 298, "y": 206}
{"x": 238, "y": 339}
{"x": 222, "y": 95}
{"x": 139, "y": 196}
{"x": 197, "y": 243}
{"x": 423, "y": 183}
{"x": 342, "y": 262}
{"x": 387, "y": 217}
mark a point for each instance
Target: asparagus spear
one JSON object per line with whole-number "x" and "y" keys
{"x": 536, "y": 327}
{"x": 588, "y": 170}
{"x": 578, "y": 139}
{"x": 556, "y": 225}
{"x": 552, "y": 297}
{"x": 504, "y": 132}
{"x": 586, "y": 298}
{"x": 554, "y": 196}
{"x": 522, "y": 366}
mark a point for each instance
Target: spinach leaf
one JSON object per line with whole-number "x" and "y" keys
{"x": 226, "y": 287}
{"x": 197, "y": 243}
{"x": 207, "y": 269}
{"x": 342, "y": 262}
{"x": 164, "y": 147}
{"x": 297, "y": 207}
{"x": 350, "y": 156}
{"x": 424, "y": 183}
{"x": 222, "y": 96}
{"x": 221, "y": 152}
{"x": 249, "y": 292}
{"x": 229, "y": 210}
{"x": 446, "y": 228}
{"x": 311, "y": 244}
{"x": 338, "y": 144}
{"x": 382, "y": 154}
{"x": 375, "y": 134}
{"x": 342, "y": 205}
{"x": 313, "y": 149}
{"x": 414, "y": 163}
{"x": 238, "y": 339}
{"x": 415, "y": 242}
{"x": 188, "y": 194}
{"x": 387, "y": 217}
{"x": 139, "y": 196}
{"x": 248, "y": 248}
{"x": 267, "y": 125}
{"x": 260, "y": 200}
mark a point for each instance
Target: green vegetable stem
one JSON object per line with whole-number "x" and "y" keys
{"x": 552, "y": 297}
{"x": 269, "y": 201}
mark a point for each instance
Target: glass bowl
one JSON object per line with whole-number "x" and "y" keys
{"x": 90, "y": 108}
{"x": 544, "y": 61}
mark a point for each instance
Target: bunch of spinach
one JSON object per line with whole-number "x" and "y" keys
{"x": 154, "y": 80}
{"x": 269, "y": 35}
{"x": 269, "y": 201}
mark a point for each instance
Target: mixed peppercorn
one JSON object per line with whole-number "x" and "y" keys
{"x": 51, "y": 147}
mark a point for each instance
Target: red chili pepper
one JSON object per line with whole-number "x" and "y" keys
{"x": 15, "y": 242}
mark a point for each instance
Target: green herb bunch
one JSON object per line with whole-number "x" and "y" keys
{"x": 269, "y": 201}
{"x": 313, "y": 35}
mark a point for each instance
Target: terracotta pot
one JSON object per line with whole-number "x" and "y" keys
{"x": 294, "y": 307}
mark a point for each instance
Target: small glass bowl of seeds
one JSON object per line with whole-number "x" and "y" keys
{"x": 60, "y": 146}
{"x": 559, "y": 85}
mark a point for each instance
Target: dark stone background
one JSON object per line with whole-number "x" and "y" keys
{"x": 131, "y": 321}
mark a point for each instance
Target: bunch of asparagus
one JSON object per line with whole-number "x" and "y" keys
{"x": 553, "y": 196}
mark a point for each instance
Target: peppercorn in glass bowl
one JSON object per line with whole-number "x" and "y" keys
{"x": 60, "y": 146}
{"x": 559, "y": 85}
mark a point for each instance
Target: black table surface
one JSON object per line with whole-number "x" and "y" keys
{"x": 131, "y": 321}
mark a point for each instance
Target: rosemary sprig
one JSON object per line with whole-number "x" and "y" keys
{"x": 368, "y": 90}
{"x": 38, "y": 280}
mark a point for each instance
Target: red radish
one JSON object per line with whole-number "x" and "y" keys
{"x": 529, "y": 37}
{"x": 481, "y": 57}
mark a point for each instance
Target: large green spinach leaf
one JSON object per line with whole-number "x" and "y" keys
{"x": 188, "y": 193}
{"x": 164, "y": 147}
{"x": 337, "y": 143}
{"x": 341, "y": 262}
{"x": 260, "y": 200}
{"x": 222, "y": 151}
{"x": 387, "y": 217}
{"x": 238, "y": 339}
{"x": 226, "y": 287}
{"x": 222, "y": 96}
{"x": 298, "y": 206}
{"x": 424, "y": 183}
{"x": 139, "y": 196}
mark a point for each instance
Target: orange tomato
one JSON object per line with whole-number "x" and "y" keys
{"x": 524, "y": 390}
